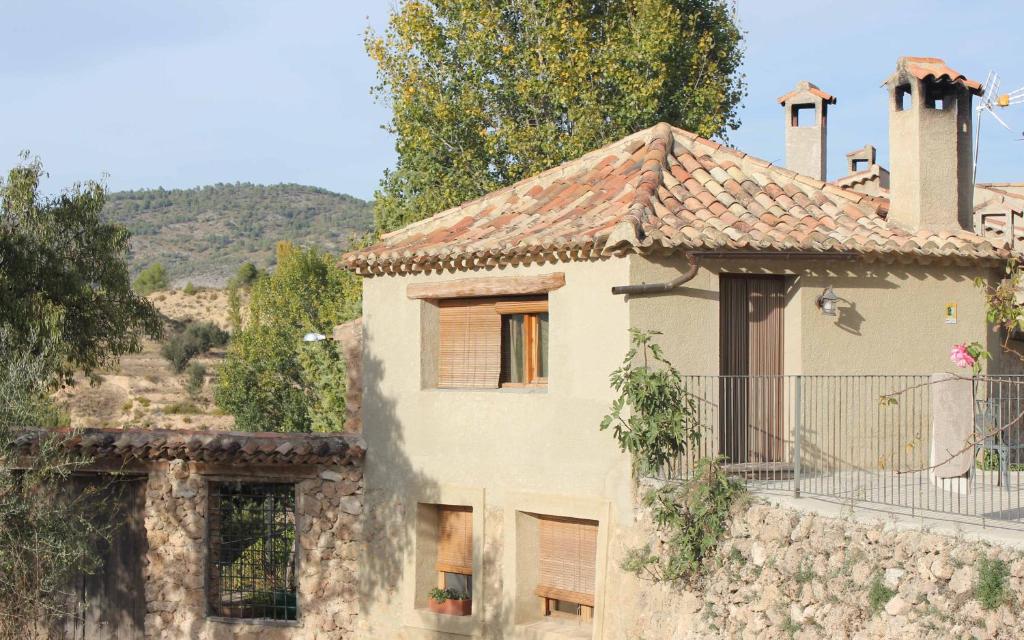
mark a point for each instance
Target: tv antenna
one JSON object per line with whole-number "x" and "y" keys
{"x": 991, "y": 100}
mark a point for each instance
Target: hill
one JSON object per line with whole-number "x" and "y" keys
{"x": 203, "y": 234}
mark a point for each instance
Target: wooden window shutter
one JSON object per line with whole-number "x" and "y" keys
{"x": 470, "y": 349}
{"x": 455, "y": 539}
{"x": 568, "y": 559}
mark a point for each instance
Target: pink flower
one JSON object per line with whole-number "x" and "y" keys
{"x": 960, "y": 356}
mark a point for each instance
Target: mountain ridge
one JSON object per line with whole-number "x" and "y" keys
{"x": 204, "y": 233}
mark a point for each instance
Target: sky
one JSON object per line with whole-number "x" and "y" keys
{"x": 177, "y": 94}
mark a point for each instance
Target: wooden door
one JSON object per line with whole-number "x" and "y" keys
{"x": 751, "y": 352}
{"x": 111, "y": 604}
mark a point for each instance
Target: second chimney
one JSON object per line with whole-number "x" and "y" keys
{"x": 930, "y": 145}
{"x": 806, "y": 109}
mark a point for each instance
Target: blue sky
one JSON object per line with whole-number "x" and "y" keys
{"x": 191, "y": 92}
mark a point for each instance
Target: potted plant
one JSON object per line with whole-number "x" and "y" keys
{"x": 449, "y": 602}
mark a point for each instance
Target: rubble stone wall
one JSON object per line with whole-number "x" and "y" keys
{"x": 788, "y": 574}
{"x": 329, "y": 503}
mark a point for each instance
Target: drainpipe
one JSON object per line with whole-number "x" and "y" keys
{"x": 660, "y": 287}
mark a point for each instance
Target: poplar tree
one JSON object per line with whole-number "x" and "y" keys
{"x": 486, "y": 93}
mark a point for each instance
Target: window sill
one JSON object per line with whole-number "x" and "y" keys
{"x": 256, "y": 622}
{"x": 554, "y": 629}
{"x": 509, "y": 390}
{"x": 426, "y": 619}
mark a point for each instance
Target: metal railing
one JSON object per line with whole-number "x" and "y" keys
{"x": 864, "y": 440}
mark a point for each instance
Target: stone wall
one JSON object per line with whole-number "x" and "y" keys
{"x": 328, "y": 523}
{"x": 789, "y": 574}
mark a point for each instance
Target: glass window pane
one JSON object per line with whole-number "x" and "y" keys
{"x": 542, "y": 346}
{"x": 512, "y": 348}
{"x": 459, "y": 582}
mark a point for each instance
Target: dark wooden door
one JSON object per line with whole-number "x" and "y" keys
{"x": 111, "y": 604}
{"x": 751, "y": 352}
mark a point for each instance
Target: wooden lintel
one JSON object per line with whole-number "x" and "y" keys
{"x": 481, "y": 287}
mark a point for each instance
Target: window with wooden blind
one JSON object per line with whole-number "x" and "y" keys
{"x": 491, "y": 342}
{"x": 567, "y": 571}
{"x": 455, "y": 548}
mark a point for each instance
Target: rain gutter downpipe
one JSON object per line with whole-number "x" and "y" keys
{"x": 660, "y": 287}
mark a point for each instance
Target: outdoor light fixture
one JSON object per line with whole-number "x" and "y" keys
{"x": 827, "y": 301}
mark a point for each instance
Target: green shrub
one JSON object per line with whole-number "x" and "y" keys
{"x": 991, "y": 589}
{"x": 197, "y": 338}
{"x": 660, "y": 422}
{"x": 190, "y": 289}
{"x": 695, "y": 517}
{"x": 184, "y": 407}
{"x": 153, "y": 278}
{"x": 879, "y": 595}
{"x": 195, "y": 376}
{"x": 246, "y": 275}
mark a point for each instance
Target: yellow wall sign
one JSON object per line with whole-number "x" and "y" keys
{"x": 951, "y": 313}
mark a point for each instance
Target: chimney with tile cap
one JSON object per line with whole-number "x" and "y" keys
{"x": 806, "y": 146}
{"x": 930, "y": 145}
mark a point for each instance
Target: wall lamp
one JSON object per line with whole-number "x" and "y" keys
{"x": 827, "y": 301}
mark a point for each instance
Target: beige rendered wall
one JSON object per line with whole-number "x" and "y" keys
{"x": 511, "y": 453}
{"x": 891, "y": 320}
{"x": 504, "y": 452}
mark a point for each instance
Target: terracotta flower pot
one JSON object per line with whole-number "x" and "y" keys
{"x": 451, "y": 607}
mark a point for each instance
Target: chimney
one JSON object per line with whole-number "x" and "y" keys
{"x": 806, "y": 108}
{"x": 930, "y": 145}
{"x": 861, "y": 159}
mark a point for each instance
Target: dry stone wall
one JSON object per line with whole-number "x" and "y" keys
{"x": 328, "y": 524}
{"x": 792, "y": 575}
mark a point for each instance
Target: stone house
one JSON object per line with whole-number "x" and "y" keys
{"x": 490, "y": 330}
{"x": 220, "y": 534}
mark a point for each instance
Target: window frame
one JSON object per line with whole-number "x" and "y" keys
{"x": 446, "y": 569}
{"x": 470, "y": 351}
{"x": 531, "y": 310}
{"x": 213, "y": 496}
{"x": 551, "y": 598}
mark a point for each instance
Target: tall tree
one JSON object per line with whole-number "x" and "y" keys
{"x": 63, "y": 279}
{"x": 274, "y": 381}
{"x": 66, "y": 304}
{"x": 486, "y": 93}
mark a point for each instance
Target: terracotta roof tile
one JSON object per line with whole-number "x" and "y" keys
{"x": 936, "y": 69}
{"x": 203, "y": 446}
{"x": 716, "y": 197}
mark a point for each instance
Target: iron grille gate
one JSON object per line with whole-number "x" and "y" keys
{"x": 252, "y": 549}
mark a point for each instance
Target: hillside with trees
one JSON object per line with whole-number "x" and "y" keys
{"x": 203, "y": 234}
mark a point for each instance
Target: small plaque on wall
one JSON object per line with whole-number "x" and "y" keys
{"x": 951, "y": 313}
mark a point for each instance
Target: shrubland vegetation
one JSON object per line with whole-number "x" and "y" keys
{"x": 203, "y": 234}
{"x": 153, "y": 278}
{"x": 194, "y": 339}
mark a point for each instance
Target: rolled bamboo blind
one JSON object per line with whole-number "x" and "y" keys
{"x": 455, "y": 539}
{"x": 568, "y": 559}
{"x": 470, "y": 346}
